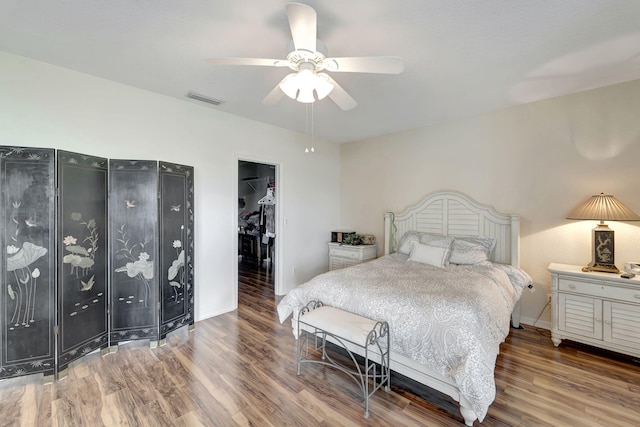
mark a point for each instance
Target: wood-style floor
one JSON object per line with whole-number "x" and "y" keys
{"x": 239, "y": 369}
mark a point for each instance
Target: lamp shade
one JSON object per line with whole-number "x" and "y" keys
{"x": 603, "y": 207}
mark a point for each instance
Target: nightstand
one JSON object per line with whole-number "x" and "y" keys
{"x": 341, "y": 256}
{"x": 599, "y": 309}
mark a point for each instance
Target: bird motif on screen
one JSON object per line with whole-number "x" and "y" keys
{"x": 86, "y": 286}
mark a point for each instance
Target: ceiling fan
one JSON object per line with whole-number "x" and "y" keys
{"x": 308, "y": 59}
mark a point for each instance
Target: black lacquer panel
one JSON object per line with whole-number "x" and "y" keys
{"x": 27, "y": 302}
{"x": 82, "y": 256}
{"x": 57, "y": 268}
{"x": 176, "y": 247}
{"x": 133, "y": 218}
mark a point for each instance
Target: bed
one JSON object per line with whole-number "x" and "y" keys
{"x": 448, "y": 284}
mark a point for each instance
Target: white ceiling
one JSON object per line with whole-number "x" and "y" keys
{"x": 462, "y": 57}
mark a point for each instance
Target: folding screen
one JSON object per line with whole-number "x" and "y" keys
{"x": 82, "y": 256}
{"x": 124, "y": 265}
{"x": 27, "y": 302}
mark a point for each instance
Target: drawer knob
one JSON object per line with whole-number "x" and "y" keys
{"x": 598, "y": 319}
{"x": 572, "y": 286}
{"x": 607, "y": 322}
{"x": 637, "y": 296}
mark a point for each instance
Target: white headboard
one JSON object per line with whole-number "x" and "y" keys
{"x": 450, "y": 213}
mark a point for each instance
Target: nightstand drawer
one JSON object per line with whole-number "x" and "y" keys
{"x": 583, "y": 288}
{"x": 602, "y": 290}
{"x": 344, "y": 252}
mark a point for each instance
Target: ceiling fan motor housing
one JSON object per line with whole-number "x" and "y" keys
{"x": 297, "y": 57}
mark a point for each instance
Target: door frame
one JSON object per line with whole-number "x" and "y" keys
{"x": 278, "y": 283}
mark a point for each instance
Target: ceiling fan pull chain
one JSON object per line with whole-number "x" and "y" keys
{"x": 312, "y": 126}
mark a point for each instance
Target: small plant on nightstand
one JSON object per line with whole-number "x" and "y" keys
{"x": 352, "y": 239}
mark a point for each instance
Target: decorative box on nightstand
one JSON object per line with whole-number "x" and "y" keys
{"x": 341, "y": 256}
{"x": 599, "y": 309}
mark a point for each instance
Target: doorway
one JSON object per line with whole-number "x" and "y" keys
{"x": 256, "y": 226}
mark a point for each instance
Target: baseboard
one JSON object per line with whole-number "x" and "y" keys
{"x": 215, "y": 314}
{"x": 532, "y": 322}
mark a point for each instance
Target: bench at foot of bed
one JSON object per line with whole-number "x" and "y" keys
{"x": 321, "y": 323}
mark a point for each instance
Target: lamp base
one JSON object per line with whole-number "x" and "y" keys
{"x": 602, "y": 250}
{"x": 604, "y": 268}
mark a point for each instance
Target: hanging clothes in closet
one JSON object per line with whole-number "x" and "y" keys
{"x": 268, "y": 221}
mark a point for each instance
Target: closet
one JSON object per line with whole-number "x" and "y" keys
{"x": 256, "y": 214}
{"x": 97, "y": 252}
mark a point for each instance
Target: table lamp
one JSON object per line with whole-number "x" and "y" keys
{"x": 603, "y": 208}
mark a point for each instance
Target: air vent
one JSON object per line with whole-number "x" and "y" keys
{"x": 203, "y": 98}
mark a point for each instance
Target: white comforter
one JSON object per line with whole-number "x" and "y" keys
{"x": 450, "y": 319}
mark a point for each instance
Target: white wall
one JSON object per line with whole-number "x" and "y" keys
{"x": 538, "y": 161}
{"x": 46, "y": 106}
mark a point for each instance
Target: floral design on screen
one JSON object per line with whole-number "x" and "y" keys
{"x": 176, "y": 271}
{"x": 137, "y": 263}
{"x": 81, "y": 259}
{"x": 19, "y": 262}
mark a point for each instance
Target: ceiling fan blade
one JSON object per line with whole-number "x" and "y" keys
{"x": 365, "y": 64}
{"x": 275, "y": 95}
{"x": 267, "y": 62}
{"x": 341, "y": 97}
{"x": 303, "y": 23}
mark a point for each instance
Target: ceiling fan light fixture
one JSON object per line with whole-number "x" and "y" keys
{"x": 306, "y": 76}
{"x": 289, "y": 86}
{"x": 302, "y": 85}
{"x": 305, "y": 95}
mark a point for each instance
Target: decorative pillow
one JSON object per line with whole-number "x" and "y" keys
{"x": 404, "y": 246}
{"x": 432, "y": 255}
{"x": 471, "y": 250}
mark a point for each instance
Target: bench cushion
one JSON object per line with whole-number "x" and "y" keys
{"x": 340, "y": 323}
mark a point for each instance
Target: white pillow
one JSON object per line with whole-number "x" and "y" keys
{"x": 431, "y": 255}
